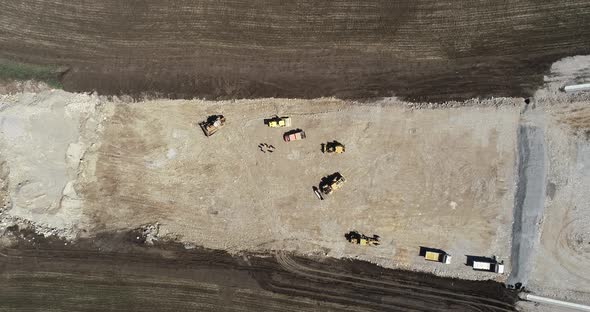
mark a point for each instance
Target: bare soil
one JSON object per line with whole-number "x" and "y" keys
{"x": 561, "y": 267}
{"x": 155, "y": 165}
{"x": 46, "y": 275}
{"x": 420, "y": 50}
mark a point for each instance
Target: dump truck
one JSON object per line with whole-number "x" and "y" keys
{"x": 333, "y": 147}
{"x": 212, "y": 124}
{"x": 357, "y": 238}
{"x": 489, "y": 266}
{"x": 438, "y": 257}
{"x": 278, "y": 122}
{"x": 332, "y": 183}
{"x": 294, "y": 135}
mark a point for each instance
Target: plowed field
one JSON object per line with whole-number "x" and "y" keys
{"x": 426, "y": 50}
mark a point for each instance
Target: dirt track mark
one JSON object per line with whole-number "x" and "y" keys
{"x": 424, "y": 50}
{"x": 426, "y": 293}
{"x": 134, "y": 278}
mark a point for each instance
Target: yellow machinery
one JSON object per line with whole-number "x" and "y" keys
{"x": 357, "y": 238}
{"x": 212, "y": 124}
{"x": 332, "y": 183}
{"x": 438, "y": 257}
{"x": 333, "y": 147}
{"x": 277, "y": 122}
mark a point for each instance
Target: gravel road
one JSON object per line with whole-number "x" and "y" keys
{"x": 529, "y": 201}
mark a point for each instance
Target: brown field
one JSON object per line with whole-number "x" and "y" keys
{"x": 427, "y": 50}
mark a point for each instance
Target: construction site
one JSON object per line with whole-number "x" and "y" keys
{"x": 149, "y": 163}
{"x": 289, "y": 162}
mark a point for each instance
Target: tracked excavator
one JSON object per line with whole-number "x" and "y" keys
{"x": 357, "y": 238}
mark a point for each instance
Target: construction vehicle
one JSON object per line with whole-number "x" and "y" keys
{"x": 212, "y": 124}
{"x": 277, "y": 122}
{"x": 489, "y": 266}
{"x": 437, "y": 256}
{"x": 333, "y": 147}
{"x": 294, "y": 135}
{"x": 332, "y": 183}
{"x": 357, "y": 238}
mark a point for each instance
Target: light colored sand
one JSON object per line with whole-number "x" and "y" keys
{"x": 562, "y": 266}
{"x": 436, "y": 178}
{"x": 41, "y": 150}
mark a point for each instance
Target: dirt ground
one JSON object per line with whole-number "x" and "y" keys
{"x": 561, "y": 267}
{"x": 428, "y": 50}
{"x": 131, "y": 164}
{"x": 52, "y": 274}
{"x": 527, "y": 306}
{"x": 441, "y": 178}
{"x": 154, "y": 165}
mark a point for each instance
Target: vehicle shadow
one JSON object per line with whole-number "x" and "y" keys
{"x": 471, "y": 259}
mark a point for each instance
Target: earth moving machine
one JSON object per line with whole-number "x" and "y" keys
{"x": 357, "y": 238}
{"x": 489, "y": 266}
{"x": 438, "y": 257}
{"x": 331, "y": 183}
{"x": 333, "y": 147}
{"x": 294, "y": 135}
{"x": 277, "y": 122}
{"x": 212, "y": 124}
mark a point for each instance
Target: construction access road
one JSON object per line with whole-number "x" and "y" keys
{"x": 428, "y": 50}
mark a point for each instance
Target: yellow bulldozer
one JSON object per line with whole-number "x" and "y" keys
{"x": 212, "y": 124}
{"x": 332, "y": 183}
{"x": 333, "y": 147}
{"x": 357, "y": 238}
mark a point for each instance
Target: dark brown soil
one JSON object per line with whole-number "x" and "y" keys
{"x": 114, "y": 272}
{"x": 422, "y": 50}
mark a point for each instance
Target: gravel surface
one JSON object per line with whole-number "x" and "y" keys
{"x": 529, "y": 200}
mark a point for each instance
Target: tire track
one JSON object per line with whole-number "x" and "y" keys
{"x": 493, "y": 305}
{"x": 96, "y": 268}
{"x": 424, "y": 50}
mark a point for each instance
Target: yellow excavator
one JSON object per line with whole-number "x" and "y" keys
{"x": 357, "y": 238}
